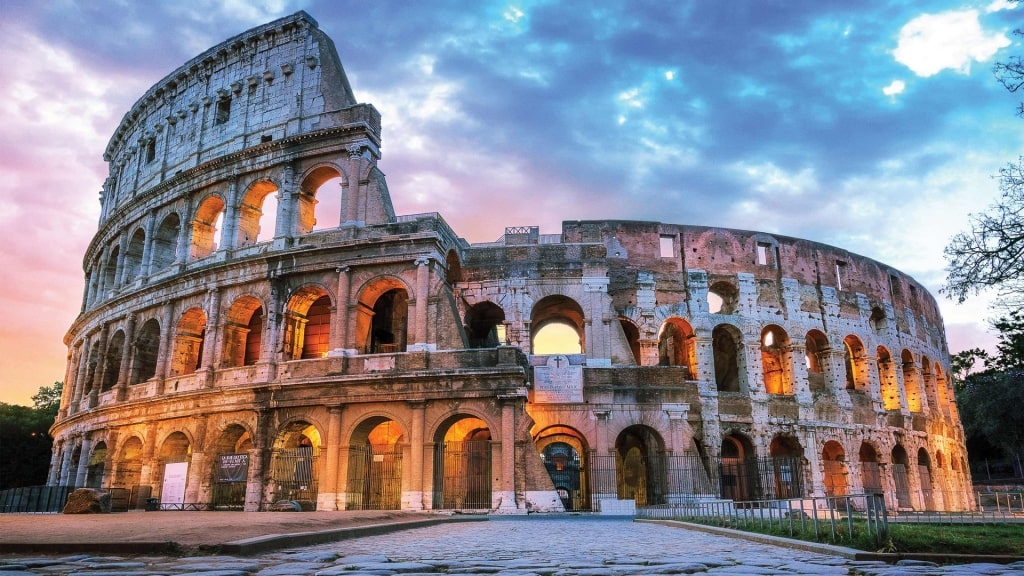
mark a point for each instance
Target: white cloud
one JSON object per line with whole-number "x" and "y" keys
{"x": 895, "y": 87}
{"x": 950, "y": 40}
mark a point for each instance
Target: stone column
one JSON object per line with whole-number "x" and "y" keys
{"x": 81, "y": 379}
{"x": 506, "y": 493}
{"x": 83, "y": 461}
{"x": 54, "y": 471}
{"x": 166, "y": 343}
{"x": 327, "y": 498}
{"x": 355, "y": 190}
{"x": 146, "y": 265}
{"x": 596, "y": 339}
{"x": 229, "y": 230}
{"x": 97, "y": 380}
{"x": 194, "y": 489}
{"x": 412, "y": 498}
{"x": 127, "y": 356}
{"x": 65, "y": 475}
{"x": 422, "y": 302}
{"x": 287, "y": 195}
{"x": 210, "y": 342}
{"x": 339, "y": 331}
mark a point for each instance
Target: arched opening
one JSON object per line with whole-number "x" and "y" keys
{"x": 96, "y": 467}
{"x": 147, "y": 346}
{"x": 462, "y": 464}
{"x": 632, "y": 338}
{"x": 243, "y": 333}
{"x": 206, "y": 227}
{"x": 817, "y": 353}
{"x": 877, "y": 320}
{"x": 942, "y": 391}
{"x": 564, "y": 451}
{"x": 257, "y": 215}
{"x": 293, "y": 465}
{"x": 231, "y": 468}
{"x": 676, "y": 346}
{"x": 308, "y": 324}
{"x": 112, "y": 362}
{"x": 833, "y": 459}
{"x": 556, "y": 326}
{"x": 133, "y": 256}
{"x": 924, "y": 474}
{"x": 128, "y": 470}
{"x": 928, "y": 376}
{"x": 723, "y": 298}
{"x": 786, "y": 466}
{"x": 375, "y": 466}
{"x": 776, "y": 361}
{"x": 188, "y": 342}
{"x": 911, "y": 381}
{"x": 485, "y": 325}
{"x": 870, "y": 474}
{"x": 319, "y": 202}
{"x": 165, "y": 242}
{"x": 642, "y": 475}
{"x": 739, "y": 473}
{"x": 856, "y": 362}
{"x": 889, "y": 385}
{"x": 175, "y": 453}
{"x": 453, "y": 268}
{"x": 900, "y": 465}
{"x": 382, "y": 318}
{"x": 726, "y": 342}
{"x": 110, "y": 270}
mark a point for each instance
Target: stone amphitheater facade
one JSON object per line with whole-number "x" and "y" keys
{"x": 234, "y": 352}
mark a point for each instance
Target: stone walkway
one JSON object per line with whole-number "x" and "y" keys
{"x": 506, "y": 547}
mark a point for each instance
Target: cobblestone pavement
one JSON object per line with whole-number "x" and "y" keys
{"x": 506, "y": 547}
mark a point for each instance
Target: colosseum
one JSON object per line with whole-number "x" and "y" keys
{"x": 259, "y": 327}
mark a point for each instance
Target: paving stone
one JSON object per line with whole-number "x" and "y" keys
{"x": 290, "y": 568}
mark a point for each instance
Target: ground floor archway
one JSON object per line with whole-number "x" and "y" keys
{"x": 375, "y": 466}
{"x": 462, "y": 464}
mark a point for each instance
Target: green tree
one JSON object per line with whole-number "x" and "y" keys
{"x": 25, "y": 443}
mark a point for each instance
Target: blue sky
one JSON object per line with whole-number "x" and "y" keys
{"x": 876, "y": 128}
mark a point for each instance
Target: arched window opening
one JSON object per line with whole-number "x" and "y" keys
{"x": 632, "y": 338}
{"x": 485, "y": 325}
{"x": 725, "y": 342}
{"x": 833, "y": 459}
{"x": 924, "y": 474}
{"x": 911, "y": 381}
{"x": 942, "y": 391}
{"x": 96, "y": 466}
{"x": 889, "y": 385}
{"x": 676, "y": 346}
{"x": 900, "y": 471}
{"x": 188, "y": 342}
{"x": 110, "y": 271}
{"x": 231, "y": 468}
{"x": 308, "y": 324}
{"x": 817, "y": 354}
{"x": 776, "y": 360}
{"x": 319, "y": 201}
{"x": 564, "y": 453}
{"x": 928, "y": 376}
{"x": 642, "y": 474}
{"x": 787, "y": 466}
{"x": 453, "y": 268}
{"x": 877, "y": 320}
{"x": 257, "y": 215}
{"x": 165, "y": 242}
{"x": 382, "y": 317}
{"x": 556, "y": 326}
{"x": 375, "y": 466}
{"x": 856, "y": 364}
{"x": 722, "y": 298}
{"x": 112, "y": 362}
{"x": 871, "y": 475}
{"x": 147, "y": 345}
{"x": 243, "y": 333}
{"x": 462, "y": 464}
{"x": 295, "y": 470}
{"x": 128, "y": 469}
{"x": 133, "y": 256}
{"x": 739, "y": 474}
{"x": 206, "y": 227}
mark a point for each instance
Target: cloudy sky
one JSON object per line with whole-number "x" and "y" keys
{"x": 875, "y": 129}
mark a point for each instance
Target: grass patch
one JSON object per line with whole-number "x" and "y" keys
{"x": 1005, "y": 539}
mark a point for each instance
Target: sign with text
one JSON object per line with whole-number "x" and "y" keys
{"x": 173, "y": 491}
{"x": 232, "y": 467}
{"x": 557, "y": 381}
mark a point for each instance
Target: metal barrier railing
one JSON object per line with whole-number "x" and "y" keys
{"x": 34, "y": 499}
{"x": 1001, "y": 502}
{"x": 833, "y": 519}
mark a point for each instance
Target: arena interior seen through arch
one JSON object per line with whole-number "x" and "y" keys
{"x": 259, "y": 326}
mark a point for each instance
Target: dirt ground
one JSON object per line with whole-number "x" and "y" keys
{"x": 185, "y": 528}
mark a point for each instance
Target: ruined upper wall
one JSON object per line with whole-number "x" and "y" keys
{"x": 272, "y": 82}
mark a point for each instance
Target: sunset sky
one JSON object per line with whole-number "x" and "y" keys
{"x": 874, "y": 129}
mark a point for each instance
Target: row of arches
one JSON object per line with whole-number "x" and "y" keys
{"x": 222, "y": 219}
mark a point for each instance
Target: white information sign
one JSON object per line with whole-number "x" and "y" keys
{"x": 173, "y": 491}
{"x": 558, "y": 381}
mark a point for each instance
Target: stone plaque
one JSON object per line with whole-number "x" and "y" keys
{"x": 557, "y": 381}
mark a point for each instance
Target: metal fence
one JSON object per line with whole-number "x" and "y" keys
{"x": 833, "y": 519}
{"x": 374, "y": 478}
{"x": 35, "y": 499}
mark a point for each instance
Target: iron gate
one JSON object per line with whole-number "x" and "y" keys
{"x": 462, "y": 475}
{"x": 295, "y": 473}
{"x": 871, "y": 477}
{"x": 374, "y": 478}
{"x": 762, "y": 478}
{"x": 899, "y": 477}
